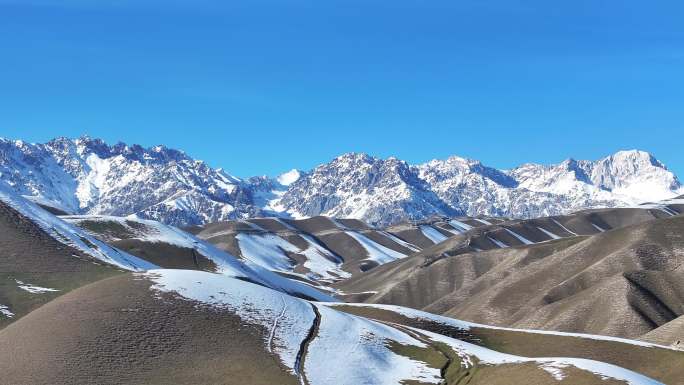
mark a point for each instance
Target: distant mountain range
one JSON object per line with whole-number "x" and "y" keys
{"x": 88, "y": 176}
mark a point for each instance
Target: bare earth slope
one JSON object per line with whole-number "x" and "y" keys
{"x": 623, "y": 282}
{"x": 189, "y": 327}
{"x": 655, "y": 361}
{"x": 35, "y": 268}
{"x": 117, "y": 331}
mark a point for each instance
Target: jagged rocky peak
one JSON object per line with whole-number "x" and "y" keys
{"x": 356, "y": 171}
{"x": 357, "y": 185}
{"x": 456, "y": 170}
{"x": 86, "y": 175}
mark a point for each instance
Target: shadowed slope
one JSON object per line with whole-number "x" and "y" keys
{"x": 35, "y": 267}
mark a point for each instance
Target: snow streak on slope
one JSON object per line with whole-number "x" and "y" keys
{"x": 458, "y": 225}
{"x": 599, "y": 228}
{"x": 5, "y": 311}
{"x": 71, "y": 235}
{"x": 563, "y": 227}
{"x": 553, "y": 366}
{"x": 432, "y": 234}
{"x": 547, "y": 232}
{"x": 376, "y": 252}
{"x": 400, "y": 241}
{"x": 33, "y": 289}
{"x": 497, "y": 242}
{"x": 465, "y": 325}
{"x": 320, "y": 260}
{"x": 519, "y": 237}
{"x": 266, "y": 250}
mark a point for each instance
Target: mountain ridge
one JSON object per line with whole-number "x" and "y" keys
{"x": 88, "y": 176}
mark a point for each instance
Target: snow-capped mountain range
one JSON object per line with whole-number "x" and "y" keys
{"x": 88, "y": 176}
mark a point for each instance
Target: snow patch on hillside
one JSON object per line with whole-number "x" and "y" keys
{"x": 33, "y": 289}
{"x": 5, "y": 311}
{"x": 519, "y": 237}
{"x": 269, "y": 251}
{"x": 465, "y": 325}
{"x": 547, "y": 232}
{"x": 153, "y": 231}
{"x": 353, "y": 350}
{"x": 288, "y": 319}
{"x": 376, "y": 252}
{"x": 432, "y": 234}
{"x": 554, "y": 365}
{"x": 497, "y": 242}
{"x": 71, "y": 235}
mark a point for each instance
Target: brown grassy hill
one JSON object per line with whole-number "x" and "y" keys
{"x": 622, "y": 282}
{"x": 671, "y": 333}
{"x": 118, "y": 331}
{"x": 32, "y": 261}
{"x": 190, "y": 327}
{"x": 657, "y": 362}
{"x": 145, "y": 239}
{"x": 334, "y": 240}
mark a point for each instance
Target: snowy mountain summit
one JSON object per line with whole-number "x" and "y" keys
{"x": 386, "y": 191}
{"x": 88, "y": 176}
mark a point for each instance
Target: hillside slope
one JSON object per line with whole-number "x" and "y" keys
{"x": 621, "y": 282}
{"x": 179, "y": 326}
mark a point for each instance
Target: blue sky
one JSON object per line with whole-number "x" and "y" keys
{"x": 259, "y": 86}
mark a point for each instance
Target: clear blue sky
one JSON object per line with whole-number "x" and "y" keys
{"x": 259, "y": 87}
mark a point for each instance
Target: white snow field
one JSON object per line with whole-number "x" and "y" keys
{"x": 376, "y": 252}
{"x": 268, "y": 250}
{"x": 344, "y": 349}
{"x": 288, "y": 318}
